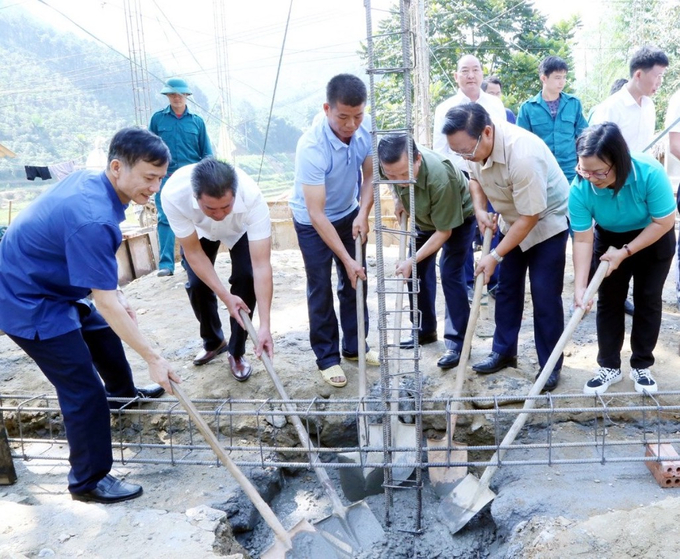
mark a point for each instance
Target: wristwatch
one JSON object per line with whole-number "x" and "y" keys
{"x": 497, "y": 257}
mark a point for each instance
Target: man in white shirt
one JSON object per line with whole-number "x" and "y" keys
{"x": 631, "y": 108}
{"x": 469, "y": 78}
{"x": 209, "y": 203}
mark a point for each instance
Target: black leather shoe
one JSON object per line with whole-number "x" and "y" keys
{"x": 206, "y": 356}
{"x": 240, "y": 368}
{"x": 494, "y": 363}
{"x": 423, "y": 339}
{"x": 552, "y": 381}
{"x": 629, "y": 308}
{"x": 449, "y": 360}
{"x": 110, "y": 490}
{"x": 150, "y": 391}
{"x": 164, "y": 272}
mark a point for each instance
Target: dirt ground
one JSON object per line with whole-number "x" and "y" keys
{"x": 622, "y": 515}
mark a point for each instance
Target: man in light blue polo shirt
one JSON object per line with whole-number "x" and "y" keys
{"x": 330, "y": 158}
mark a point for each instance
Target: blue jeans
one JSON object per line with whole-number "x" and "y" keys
{"x": 545, "y": 263}
{"x": 452, "y": 273}
{"x": 324, "y": 335}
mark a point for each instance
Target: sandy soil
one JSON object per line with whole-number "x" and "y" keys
{"x": 548, "y": 519}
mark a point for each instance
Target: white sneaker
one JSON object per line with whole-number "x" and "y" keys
{"x": 643, "y": 380}
{"x": 602, "y": 379}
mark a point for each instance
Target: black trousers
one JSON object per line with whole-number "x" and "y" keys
{"x": 649, "y": 268}
{"x": 204, "y": 301}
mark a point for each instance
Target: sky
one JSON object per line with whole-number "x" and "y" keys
{"x": 322, "y": 40}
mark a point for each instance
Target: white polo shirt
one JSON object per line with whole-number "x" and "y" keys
{"x": 636, "y": 122}
{"x": 493, "y": 105}
{"x": 250, "y": 214}
{"x": 522, "y": 177}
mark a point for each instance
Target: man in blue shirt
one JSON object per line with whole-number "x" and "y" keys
{"x": 185, "y": 135}
{"x": 554, "y": 116}
{"x": 330, "y": 157}
{"x": 58, "y": 251}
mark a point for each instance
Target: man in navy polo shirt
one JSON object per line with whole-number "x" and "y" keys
{"x": 58, "y": 251}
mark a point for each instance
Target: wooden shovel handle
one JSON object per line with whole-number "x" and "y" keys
{"x": 297, "y": 422}
{"x": 361, "y": 324}
{"x": 467, "y": 341}
{"x": 248, "y": 488}
{"x": 545, "y": 373}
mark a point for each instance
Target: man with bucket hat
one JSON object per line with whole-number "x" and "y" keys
{"x": 185, "y": 135}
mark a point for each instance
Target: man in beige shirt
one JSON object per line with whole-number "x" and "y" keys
{"x": 515, "y": 171}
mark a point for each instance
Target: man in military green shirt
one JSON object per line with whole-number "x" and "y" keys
{"x": 444, "y": 220}
{"x": 185, "y": 135}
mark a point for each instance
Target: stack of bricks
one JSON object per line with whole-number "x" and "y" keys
{"x": 666, "y": 466}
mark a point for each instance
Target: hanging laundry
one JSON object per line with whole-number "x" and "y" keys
{"x": 41, "y": 172}
{"x": 61, "y": 170}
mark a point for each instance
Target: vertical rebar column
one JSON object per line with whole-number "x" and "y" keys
{"x": 389, "y": 378}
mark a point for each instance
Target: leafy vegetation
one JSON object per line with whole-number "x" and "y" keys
{"x": 62, "y": 92}
{"x": 509, "y": 37}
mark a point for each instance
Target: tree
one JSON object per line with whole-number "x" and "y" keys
{"x": 622, "y": 28}
{"x": 510, "y": 38}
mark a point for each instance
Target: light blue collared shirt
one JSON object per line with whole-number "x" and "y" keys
{"x": 323, "y": 160}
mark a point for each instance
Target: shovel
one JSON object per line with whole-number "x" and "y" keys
{"x": 302, "y": 541}
{"x": 443, "y": 479}
{"x": 471, "y": 495}
{"x": 350, "y": 530}
{"x": 360, "y": 482}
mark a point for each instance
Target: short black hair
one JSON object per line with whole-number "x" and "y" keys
{"x": 471, "y": 118}
{"x": 346, "y": 89}
{"x": 133, "y": 144}
{"x": 618, "y": 84}
{"x": 393, "y": 146}
{"x": 213, "y": 178}
{"x": 646, "y": 58}
{"x": 491, "y": 79}
{"x": 552, "y": 64}
{"x": 606, "y": 142}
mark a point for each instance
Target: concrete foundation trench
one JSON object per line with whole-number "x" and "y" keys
{"x": 575, "y": 483}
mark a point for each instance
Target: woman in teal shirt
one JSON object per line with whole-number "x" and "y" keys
{"x": 625, "y": 202}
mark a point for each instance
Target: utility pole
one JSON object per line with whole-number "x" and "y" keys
{"x": 137, "y": 57}
{"x": 225, "y": 146}
{"x": 422, "y": 117}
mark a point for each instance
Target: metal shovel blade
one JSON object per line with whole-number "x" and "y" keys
{"x": 293, "y": 543}
{"x": 466, "y": 500}
{"x": 359, "y": 482}
{"x": 445, "y": 478}
{"x": 307, "y": 544}
{"x": 359, "y": 521}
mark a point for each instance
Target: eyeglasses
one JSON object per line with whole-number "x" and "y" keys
{"x": 472, "y": 153}
{"x": 598, "y": 176}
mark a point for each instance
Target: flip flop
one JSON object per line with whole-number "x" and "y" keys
{"x": 334, "y": 372}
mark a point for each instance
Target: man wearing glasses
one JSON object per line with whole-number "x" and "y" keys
{"x": 515, "y": 171}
